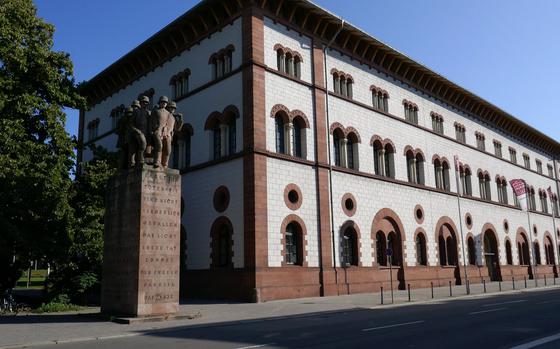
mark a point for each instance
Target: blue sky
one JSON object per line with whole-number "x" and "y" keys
{"x": 505, "y": 51}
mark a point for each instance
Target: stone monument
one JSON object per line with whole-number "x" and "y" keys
{"x": 142, "y": 229}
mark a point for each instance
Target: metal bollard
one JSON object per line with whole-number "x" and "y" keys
{"x": 545, "y": 281}
{"x": 554, "y": 280}
{"x": 432, "y": 286}
{"x": 450, "y": 291}
{"x": 500, "y": 285}
{"x": 513, "y": 282}
{"x": 468, "y": 287}
{"x": 409, "y": 292}
{"x": 525, "y": 278}
{"x": 484, "y": 285}
{"x": 381, "y": 295}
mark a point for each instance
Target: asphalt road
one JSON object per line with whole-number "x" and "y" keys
{"x": 504, "y": 321}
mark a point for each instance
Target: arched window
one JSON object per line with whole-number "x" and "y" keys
{"x": 509, "y": 256}
{"x": 389, "y": 161}
{"x": 352, "y": 141}
{"x": 297, "y": 67}
{"x": 224, "y": 247}
{"x": 378, "y": 161}
{"x": 343, "y": 90}
{"x": 381, "y": 248}
{"x": 441, "y": 170}
{"x": 421, "y": 255}
{"x": 182, "y": 147}
{"x": 537, "y": 253}
{"x": 450, "y": 246}
{"x": 280, "y": 138}
{"x": 484, "y": 186}
{"x": 544, "y": 202}
{"x": 442, "y": 250}
{"x": 296, "y": 139}
{"x": 336, "y": 83}
{"x": 280, "y": 61}
{"x": 445, "y": 173}
{"x": 447, "y": 247}
{"x": 293, "y": 244}
{"x": 501, "y": 185}
{"x": 549, "y": 251}
{"x": 523, "y": 250}
{"x": 289, "y": 64}
{"x": 531, "y": 203}
{"x": 217, "y": 141}
{"x": 466, "y": 182}
{"x": 420, "y": 169}
{"x": 337, "y": 147}
{"x": 350, "y": 246}
{"x": 222, "y": 243}
{"x": 471, "y": 251}
{"x": 379, "y": 99}
{"x": 415, "y": 167}
{"x": 232, "y": 136}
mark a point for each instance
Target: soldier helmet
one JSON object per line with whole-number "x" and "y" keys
{"x": 163, "y": 99}
{"x": 135, "y": 103}
{"x": 145, "y": 99}
{"x": 129, "y": 110}
{"x": 172, "y": 104}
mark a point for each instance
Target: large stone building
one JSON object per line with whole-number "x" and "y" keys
{"x": 310, "y": 149}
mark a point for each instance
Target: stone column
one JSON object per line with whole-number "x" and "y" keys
{"x": 289, "y": 134}
{"x": 382, "y": 162}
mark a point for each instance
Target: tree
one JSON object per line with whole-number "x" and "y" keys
{"x": 36, "y": 153}
{"x": 77, "y": 275}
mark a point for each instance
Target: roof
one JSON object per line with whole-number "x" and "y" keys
{"x": 209, "y": 15}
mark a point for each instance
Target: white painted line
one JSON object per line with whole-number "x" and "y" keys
{"x": 486, "y": 311}
{"x": 538, "y": 342}
{"x": 256, "y": 346}
{"x": 389, "y": 326}
{"x": 494, "y": 304}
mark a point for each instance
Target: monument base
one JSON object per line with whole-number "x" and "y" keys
{"x": 142, "y": 239}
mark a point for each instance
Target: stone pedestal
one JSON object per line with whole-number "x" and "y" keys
{"x": 142, "y": 243}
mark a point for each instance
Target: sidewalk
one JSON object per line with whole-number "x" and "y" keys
{"x": 29, "y": 330}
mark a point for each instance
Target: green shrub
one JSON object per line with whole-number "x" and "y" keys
{"x": 60, "y": 303}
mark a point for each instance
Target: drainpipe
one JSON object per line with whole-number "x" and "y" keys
{"x": 325, "y": 53}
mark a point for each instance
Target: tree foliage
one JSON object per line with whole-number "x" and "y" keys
{"x": 36, "y": 153}
{"x": 78, "y": 275}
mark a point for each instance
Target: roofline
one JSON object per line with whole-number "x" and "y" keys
{"x": 214, "y": 14}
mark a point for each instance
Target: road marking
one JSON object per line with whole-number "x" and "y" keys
{"x": 538, "y": 342}
{"x": 389, "y": 326}
{"x": 494, "y": 304}
{"x": 486, "y": 311}
{"x": 256, "y": 346}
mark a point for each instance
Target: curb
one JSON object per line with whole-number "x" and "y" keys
{"x": 283, "y": 317}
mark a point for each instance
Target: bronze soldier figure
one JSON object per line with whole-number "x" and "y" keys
{"x": 158, "y": 122}
{"x": 174, "y": 123}
{"x": 138, "y": 127}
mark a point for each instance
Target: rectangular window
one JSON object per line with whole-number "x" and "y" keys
{"x": 550, "y": 171}
{"x": 539, "y": 166}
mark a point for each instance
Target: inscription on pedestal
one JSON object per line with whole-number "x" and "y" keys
{"x": 142, "y": 237}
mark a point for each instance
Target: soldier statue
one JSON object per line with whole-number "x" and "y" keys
{"x": 158, "y": 123}
{"x": 138, "y": 129}
{"x": 174, "y": 123}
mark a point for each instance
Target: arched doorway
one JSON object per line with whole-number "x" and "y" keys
{"x": 491, "y": 255}
{"x": 387, "y": 236}
{"x": 446, "y": 237}
{"x": 523, "y": 251}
